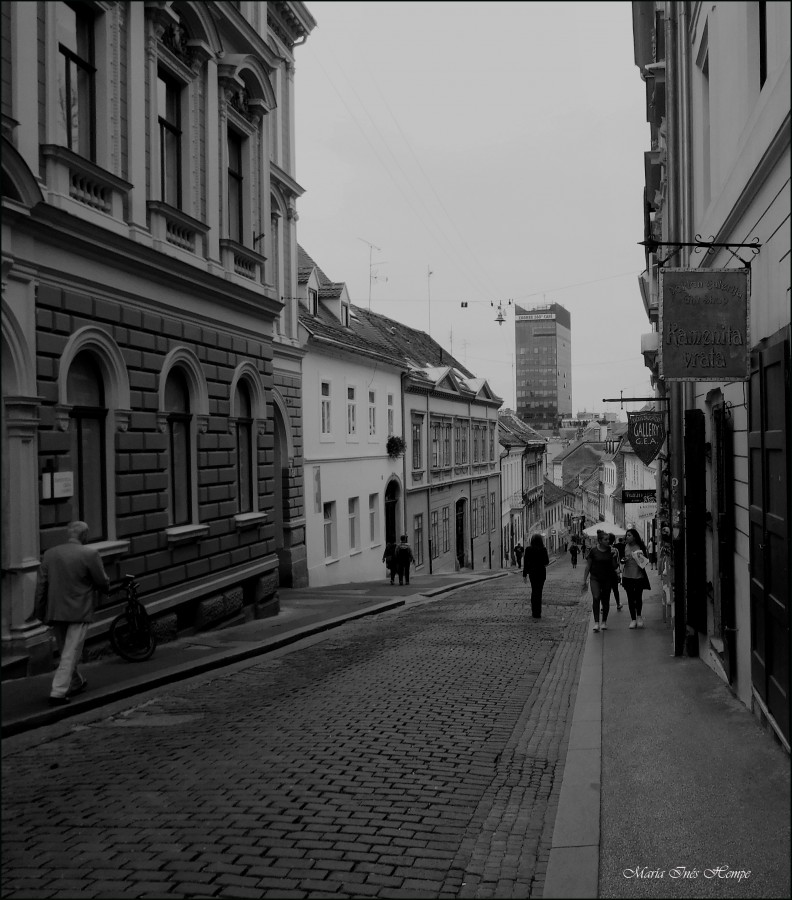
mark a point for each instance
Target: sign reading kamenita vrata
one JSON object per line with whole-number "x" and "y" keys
{"x": 704, "y": 325}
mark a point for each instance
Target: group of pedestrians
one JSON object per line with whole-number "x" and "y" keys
{"x": 607, "y": 567}
{"x": 398, "y": 558}
{"x": 609, "y": 563}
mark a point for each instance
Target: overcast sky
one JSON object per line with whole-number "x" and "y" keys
{"x": 498, "y": 146}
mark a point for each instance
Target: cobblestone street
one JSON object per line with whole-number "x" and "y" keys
{"x": 417, "y": 753}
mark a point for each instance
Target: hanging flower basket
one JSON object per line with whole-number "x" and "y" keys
{"x": 396, "y": 446}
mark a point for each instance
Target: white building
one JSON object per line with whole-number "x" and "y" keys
{"x": 352, "y": 404}
{"x": 717, "y": 167}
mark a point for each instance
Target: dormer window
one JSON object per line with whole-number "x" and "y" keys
{"x": 313, "y": 302}
{"x": 345, "y": 315}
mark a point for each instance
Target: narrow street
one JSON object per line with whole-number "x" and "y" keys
{"x": 417, "y": 753}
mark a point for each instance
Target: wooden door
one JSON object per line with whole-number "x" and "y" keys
{"x": 768, "y": 530}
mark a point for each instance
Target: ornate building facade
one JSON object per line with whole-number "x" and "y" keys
{"x": 150, "y": 364}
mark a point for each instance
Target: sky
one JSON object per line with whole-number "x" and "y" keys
{"x": 483, "y": 153}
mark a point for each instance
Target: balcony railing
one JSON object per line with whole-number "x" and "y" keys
{"x": 73, "y": 176}
{"x": 175, "y": 227}
{"x": 242, "y": 261}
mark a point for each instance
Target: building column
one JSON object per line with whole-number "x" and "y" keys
{"x": 20, "y": 538}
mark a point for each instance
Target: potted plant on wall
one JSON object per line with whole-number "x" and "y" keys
{"x": 395, "y": 446}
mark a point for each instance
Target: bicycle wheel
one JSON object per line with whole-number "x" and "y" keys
{"x": 132, "y": 641}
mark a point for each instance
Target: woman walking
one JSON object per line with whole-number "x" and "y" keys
{"x": 535, "y": 563}
{"x": 634, "y": 577}
{"x": 601, "y": 565}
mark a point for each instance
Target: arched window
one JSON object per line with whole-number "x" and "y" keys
{"x": 245, "y": 448}
{"x": 86, "y": 396}
{"x": 179, "y": 418}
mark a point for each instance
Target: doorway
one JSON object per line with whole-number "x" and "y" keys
{"x": 768, "y": 466}
{"x": 460, "y": 533}
{"x": 392, "y": 494}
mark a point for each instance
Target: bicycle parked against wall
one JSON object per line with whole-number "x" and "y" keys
{"x": 130, "y": 632}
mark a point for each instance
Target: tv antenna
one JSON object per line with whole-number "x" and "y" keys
{"x": 372, "y": 275}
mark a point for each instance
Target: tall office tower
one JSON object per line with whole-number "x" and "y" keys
{"x": 543, "y": 352}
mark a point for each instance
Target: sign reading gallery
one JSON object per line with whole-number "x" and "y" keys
{"x": 704, "y": 325}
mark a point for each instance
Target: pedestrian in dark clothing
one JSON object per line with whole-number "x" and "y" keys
{"x": 68, "y": 579}
{"x": 518, "y": 554}
{"x": 601, "y": 564}
{"x": 389, "y": 558}
{"x": 573, "y": 552}
{"x": 404, "y": 558}
{"x": 535, "y": 568}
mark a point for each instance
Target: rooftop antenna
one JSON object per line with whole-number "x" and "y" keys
{"x": 429, "y": 274}
{"x": 372, "y": 248}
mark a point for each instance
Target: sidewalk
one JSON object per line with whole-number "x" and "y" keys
{"x": 671, "y": 788}
{"x": 303, "y": 612}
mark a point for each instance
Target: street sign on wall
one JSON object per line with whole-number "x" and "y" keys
{"x": 638, "y": 496}
{"x": 704, "y": 325}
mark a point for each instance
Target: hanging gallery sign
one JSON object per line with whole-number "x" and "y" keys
{"x": 646, "y": 433}
{"x": 704, "y": 325}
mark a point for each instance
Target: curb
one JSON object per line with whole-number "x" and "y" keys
{"x": 186, "y": 670}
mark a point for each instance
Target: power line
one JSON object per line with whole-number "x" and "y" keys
{"x": 460, "y": 261}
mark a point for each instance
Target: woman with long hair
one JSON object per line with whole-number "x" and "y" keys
{"x": 634, "y": 577}
{"x": 535, "y": 563}
{"x": 601, "y": 564}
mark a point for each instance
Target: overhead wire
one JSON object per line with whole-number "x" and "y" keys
{"x": 460, "y": 262}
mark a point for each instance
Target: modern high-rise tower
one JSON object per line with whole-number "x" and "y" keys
{"x": 543, "y": 353}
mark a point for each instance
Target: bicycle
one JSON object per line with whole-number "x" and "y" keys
{"x": 130, "y": 632}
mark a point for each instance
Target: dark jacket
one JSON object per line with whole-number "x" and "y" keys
{"x": 69, "y": 576}
{"x": 404, "y": 555}
{"x": 535, "y": 559}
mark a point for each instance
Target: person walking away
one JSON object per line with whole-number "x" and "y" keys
{"x": 601, "y": 565}
{"x": 535, "y": 566}
{"x": 573, "y": 552}
{"x": 68, "y": 579}
{"x": 518, "y": 553}
{"x": 404, "y": 558}
{"x": 389, "y": 558}
{"x": 634, "y": 577}
{"x": 617, "y": 576}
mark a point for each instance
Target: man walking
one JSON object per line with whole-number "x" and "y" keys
{"x": 404, "y": 558}
{"x": 69, "y": 576}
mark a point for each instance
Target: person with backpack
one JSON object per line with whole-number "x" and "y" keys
{"x": 573, "y": 552}
{"x": 404, "y": 558}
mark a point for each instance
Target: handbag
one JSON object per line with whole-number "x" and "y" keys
{"x": 645, "y": 581}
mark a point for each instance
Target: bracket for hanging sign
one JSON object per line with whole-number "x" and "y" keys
{"x": 621, "y": 400}
{"x": 651, "y": 247}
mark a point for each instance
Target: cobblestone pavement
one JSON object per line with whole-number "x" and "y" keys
{"x": 415, "y": 754}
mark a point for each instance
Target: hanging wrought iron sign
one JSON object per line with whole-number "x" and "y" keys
{"x": 704, "y": 325}
{"x": 646, "y": 433}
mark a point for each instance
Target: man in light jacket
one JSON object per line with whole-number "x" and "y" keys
{"x": 68, "y": 579}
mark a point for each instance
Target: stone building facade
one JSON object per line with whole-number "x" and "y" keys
{"x": 149, "y": 385}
